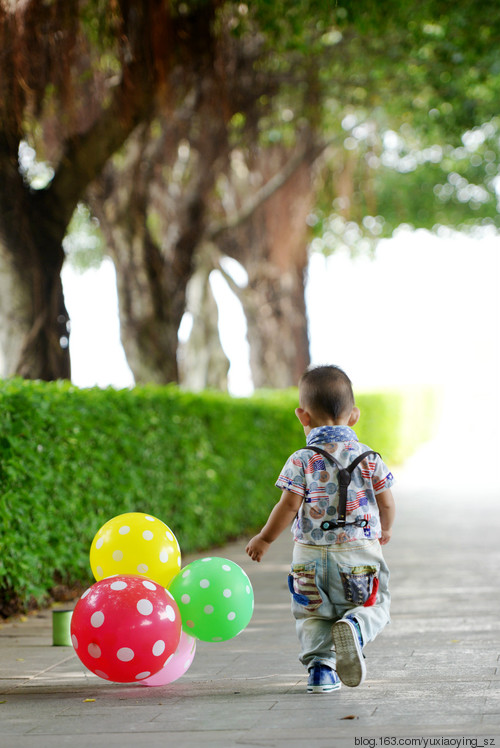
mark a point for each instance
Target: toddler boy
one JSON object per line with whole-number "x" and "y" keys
{"x": 339, "y": 579}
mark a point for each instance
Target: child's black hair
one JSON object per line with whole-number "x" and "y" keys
{"x": 327, "y": 390}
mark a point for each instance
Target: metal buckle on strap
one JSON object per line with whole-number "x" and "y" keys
{"x": 327, "y": 525}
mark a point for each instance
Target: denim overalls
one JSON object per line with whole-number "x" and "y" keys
{"x": 328, "y": 582}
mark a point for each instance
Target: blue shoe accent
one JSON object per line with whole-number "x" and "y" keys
{"x": 358, "y": 629}
{"x": 348, "y": 643}
{"x": 322, "y": 679}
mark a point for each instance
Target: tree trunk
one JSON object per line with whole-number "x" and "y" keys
{"x": 272, "y": 247}
{"x": 33, "y": 236}
{"x": 45, "y": 350}
{"x": 277, "y": 325}
{"x": 202, "y": 361}
{"x": 152, "y": 296}
{"x": 153, "y": 225}
{"x": 14, "y": 313}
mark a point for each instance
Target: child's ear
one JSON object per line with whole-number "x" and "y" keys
{"x": 303, "y": 416}
{"x": 354, "y": 417}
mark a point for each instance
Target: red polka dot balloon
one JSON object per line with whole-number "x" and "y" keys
{"x": 124, "y": 628}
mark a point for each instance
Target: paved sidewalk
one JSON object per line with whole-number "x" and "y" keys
{"x": 434, "y": 672}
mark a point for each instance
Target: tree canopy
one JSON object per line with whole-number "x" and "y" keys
{"x": 179, "y": 122}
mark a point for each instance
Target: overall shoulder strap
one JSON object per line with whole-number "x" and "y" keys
{"x": 345, "y": 474}
{"x": 326, "y": 454}
{"x": 360, "y": 458}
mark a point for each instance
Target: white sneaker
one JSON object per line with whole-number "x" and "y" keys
{"x": 348, "y": 644}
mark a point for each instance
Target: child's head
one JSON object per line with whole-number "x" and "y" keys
{"x": 326, "y": 397}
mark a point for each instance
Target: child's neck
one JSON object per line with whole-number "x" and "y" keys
{"x": 325, "y": 422}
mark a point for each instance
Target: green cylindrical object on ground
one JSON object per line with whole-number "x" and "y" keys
{"x": 61, "y": 623}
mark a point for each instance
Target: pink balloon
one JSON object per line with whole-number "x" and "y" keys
{"x": 125, "y": 628}
{"x": 176, "y": 665}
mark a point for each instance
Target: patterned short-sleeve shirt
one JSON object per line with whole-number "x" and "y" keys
{"x": 312, "y": 476}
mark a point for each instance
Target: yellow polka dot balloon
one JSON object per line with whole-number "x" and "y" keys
{"x": 135, "y": 543}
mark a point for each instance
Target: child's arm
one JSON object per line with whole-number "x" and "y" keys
{"x": 387, "y": 510}
{"x": 281, "y": 516}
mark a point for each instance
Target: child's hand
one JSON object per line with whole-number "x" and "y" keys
{"x": 257, "y": 547}
{"x": 385, "y": 537}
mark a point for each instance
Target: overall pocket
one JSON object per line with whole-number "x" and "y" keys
{"x": 302, "y": 585}
{"x": 360, "y": 584}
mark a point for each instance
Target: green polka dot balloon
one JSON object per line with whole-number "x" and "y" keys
{"x": 215, "y": 598}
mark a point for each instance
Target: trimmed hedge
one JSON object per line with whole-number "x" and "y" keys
{"x": 205, "y": 464}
